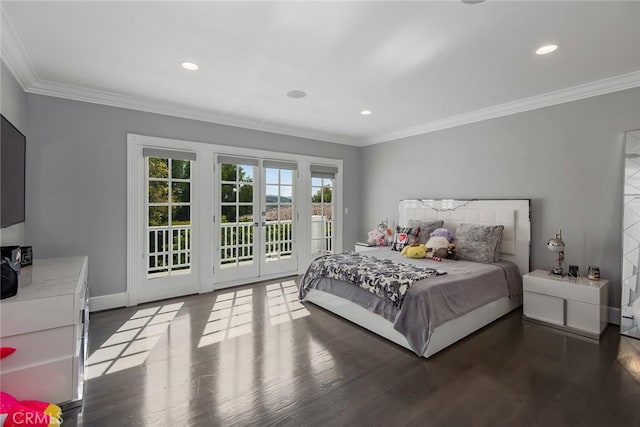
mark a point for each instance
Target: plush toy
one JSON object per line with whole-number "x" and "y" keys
{"x": 33, "y": 413}
{"x": 443, "y": 232}
{"x": 435, "y": 244}
{"x": 376, "y": 237}
{"x": 451, "y": 251}
{"x": 415, "y": 251}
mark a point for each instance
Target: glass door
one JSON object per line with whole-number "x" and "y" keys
{"x": 278, "y": 218}
{"x": 169, "y": 225}
{"x": 238, "y": 214}
{"x": 322, "y": 210}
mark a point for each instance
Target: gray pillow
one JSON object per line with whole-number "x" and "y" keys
{"x": 426, "y": 228}
{"x": 479, "y": 243}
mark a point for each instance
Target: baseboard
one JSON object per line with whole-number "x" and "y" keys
{"x": 106, "y": 302}
{"x": 614, "y": 315}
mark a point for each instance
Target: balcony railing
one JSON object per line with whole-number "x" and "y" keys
{"x": 169, "y": 249}
{"x": 236, "y": 244}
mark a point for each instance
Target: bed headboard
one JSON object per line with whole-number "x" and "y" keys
{"x": 513, "y": 214}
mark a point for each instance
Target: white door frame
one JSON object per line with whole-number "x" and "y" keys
{"x": 208, "y": 233}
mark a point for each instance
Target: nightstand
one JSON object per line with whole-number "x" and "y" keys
{"x": 576, "y": 305}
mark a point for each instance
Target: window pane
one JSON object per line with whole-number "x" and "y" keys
{"x": 229, "y": 214}
{"x": 158, "y": 192}
{"x": 158, "y": 168}
{"x": 272, "y": 176}
{"x": 181, "y": 192}
{"x": 271, "y": 213}
{"x": 316, "y": 182}
{"x": 286, "y": 192}
{"x": 272, "y": 193}
{"x": 316, "y": 211}
{"x": 246, "y": 193}
{"x": 246, "y": 213}
{"x": 328, "y": 211}
{"x": 180, "y": 169}
{"x": 158, "y": 216}
{"x": 181, "y": 215}
{"x": 246, "y": 173}
{"x": 286, "y": 176}
{"x": 284, "y": 213}
{"x": 229, "y": 192}
{"x": 328, "y": 182}
{"x": 228, "y": 172}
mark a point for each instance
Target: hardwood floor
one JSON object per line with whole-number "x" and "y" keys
{"x": 264, "y": 362}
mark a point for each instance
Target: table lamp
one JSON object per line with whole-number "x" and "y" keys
{"x": 556, "y": 244}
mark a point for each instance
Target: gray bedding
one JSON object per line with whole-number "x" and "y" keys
{"x": 435, "y": 300}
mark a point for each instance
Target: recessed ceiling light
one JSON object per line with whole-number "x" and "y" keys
{"x": 296, "y": 94}
{"x": 365, "y": 112}
{"x": 190, "y": 66}
{"x": 546, "y": 49}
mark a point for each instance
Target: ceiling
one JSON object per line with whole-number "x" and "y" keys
{"x": 418, "y": 66}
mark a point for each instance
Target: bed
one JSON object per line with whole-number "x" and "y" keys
{"x": 438, "y": 310}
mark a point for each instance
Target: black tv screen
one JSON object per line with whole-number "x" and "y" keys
{"x": 12, "y": 164}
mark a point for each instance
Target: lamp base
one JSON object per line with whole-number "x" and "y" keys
{"x": 557, "y": 271}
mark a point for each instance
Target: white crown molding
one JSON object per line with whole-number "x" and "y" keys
{"x": 14, "y": 55}
{"x": 575, "y": 93}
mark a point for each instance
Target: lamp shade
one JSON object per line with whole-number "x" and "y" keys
{"x": 556, "y": 244}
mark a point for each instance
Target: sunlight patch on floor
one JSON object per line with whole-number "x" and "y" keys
{"x": 131, "y": 344}
{"x": 283, "y": 303}
{"x": 231, "y": 316}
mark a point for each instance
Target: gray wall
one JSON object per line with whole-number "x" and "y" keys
{"x": 566, "y": 158}
{"x": 76, "y": 181}
{"x": 13, "y": 105}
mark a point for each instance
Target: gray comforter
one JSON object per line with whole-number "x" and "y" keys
{"x": 435, "y": 300}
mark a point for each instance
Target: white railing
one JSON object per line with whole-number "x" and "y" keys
{"x": 236, "y": 241}
{"x": 169, "y": 248}
{"x": 278, "y": 240}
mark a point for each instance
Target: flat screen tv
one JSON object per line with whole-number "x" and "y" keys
{"x": 12, "y": 164}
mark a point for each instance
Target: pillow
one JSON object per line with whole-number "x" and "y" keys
{"x": 479, "y": 243}
{"x": 426, "y": 228}
{"x": 404, "y": 237}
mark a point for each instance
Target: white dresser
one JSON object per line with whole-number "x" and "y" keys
{"x": 47, "y": 323}
{"x": 577, "y": 305}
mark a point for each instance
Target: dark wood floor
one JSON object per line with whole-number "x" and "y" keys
{"x": 263, "y": 361}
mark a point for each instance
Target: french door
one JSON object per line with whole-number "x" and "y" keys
{"x": 169, "y": 225}
{"x": 255, "y": 208}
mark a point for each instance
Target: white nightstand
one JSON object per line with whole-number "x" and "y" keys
{"x": 359, "y": 248}
{"x": 576, "y": 305}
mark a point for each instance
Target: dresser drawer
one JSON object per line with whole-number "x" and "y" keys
{"x": 544, "y": 308}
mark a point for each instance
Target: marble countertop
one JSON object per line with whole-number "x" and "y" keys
{"x": 48, "y": 278}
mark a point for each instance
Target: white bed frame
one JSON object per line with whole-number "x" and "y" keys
{"x": 513, "y": 214}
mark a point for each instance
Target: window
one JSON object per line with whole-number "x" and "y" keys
{"x": 322, "y": 209}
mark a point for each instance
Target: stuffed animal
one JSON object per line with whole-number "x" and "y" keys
{"x": 448, "y": 252}
{"x": 34, "y": 413}
{"x": 451, "y": 251}
{"x": 443, "y": 232}
{"x": 434, "y": 244}
{"x": 415, "y": 251}
{"x": 376, "y": 237}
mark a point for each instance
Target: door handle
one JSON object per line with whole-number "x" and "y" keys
{"x": 255, "y": 224}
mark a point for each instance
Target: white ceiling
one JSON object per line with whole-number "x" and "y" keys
{"x": 419, "y": 66}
